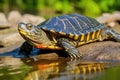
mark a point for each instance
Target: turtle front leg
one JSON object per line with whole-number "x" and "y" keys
{"x": 26, "y": 49}
{"x": 69, "y": 48}
{"x": 109, "y": 33}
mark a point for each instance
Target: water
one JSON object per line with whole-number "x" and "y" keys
{"x": 19, "y": 68}
{"x": 60, "y": 69}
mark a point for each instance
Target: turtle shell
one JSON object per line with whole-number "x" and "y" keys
{"x": 71, "y": 26}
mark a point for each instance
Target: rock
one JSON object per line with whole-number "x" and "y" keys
{"x": 9, "y": 39}
{"x": 12, "y": 47}
{"x": 48, "y": 56}
{"x": 9, "y": 61}
{"x": 111, "y": 20}
{"x": 3, "y": 21}
{"x": 116, "y": 14}
{"x": 8, "y": 30}
{"x": 106, "y": 18}
{"x": 106, "y": 50}
{"x": 9, "y": 33}
{"x": 28, "y": 18}
{"x": 14, "y": 18}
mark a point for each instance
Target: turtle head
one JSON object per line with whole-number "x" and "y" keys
{"x": 30, "y": 33}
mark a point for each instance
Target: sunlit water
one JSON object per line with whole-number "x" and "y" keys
{"x": 59, "y": 69}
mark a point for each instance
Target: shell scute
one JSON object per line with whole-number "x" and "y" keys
{"x": 71, "y": 25}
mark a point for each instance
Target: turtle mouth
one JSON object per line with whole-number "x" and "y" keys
{"x": 28, "y": 38}
{"x": 22, "y": 31}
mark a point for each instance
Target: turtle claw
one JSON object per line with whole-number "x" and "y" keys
{"x": 74, "y": 57}
{"x": 74, "y": 53}
{"x": 69, "y": 48}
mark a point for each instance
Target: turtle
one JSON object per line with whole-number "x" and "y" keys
{"x": 65, "y": 32}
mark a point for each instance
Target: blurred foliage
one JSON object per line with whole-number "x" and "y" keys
{"x": 111, "y": 74}
{"x": 13, "y": 72}
{"x": 51, "y": 7}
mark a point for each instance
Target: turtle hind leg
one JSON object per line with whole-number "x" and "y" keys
{"x": 109, "y": 33}
{"x": 69, "y": 48}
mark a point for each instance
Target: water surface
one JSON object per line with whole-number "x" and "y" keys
{"x": 60, "y": 69}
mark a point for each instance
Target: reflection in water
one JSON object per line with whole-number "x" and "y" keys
{"x": 13, "y": 72}
{"x": 59, "y": 69}
{"x": 63, "y": 69}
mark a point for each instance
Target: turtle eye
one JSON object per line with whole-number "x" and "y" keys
{"x": 29, "y": 26}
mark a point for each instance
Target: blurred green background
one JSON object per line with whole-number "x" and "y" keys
{"x": 50, "y": 8}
